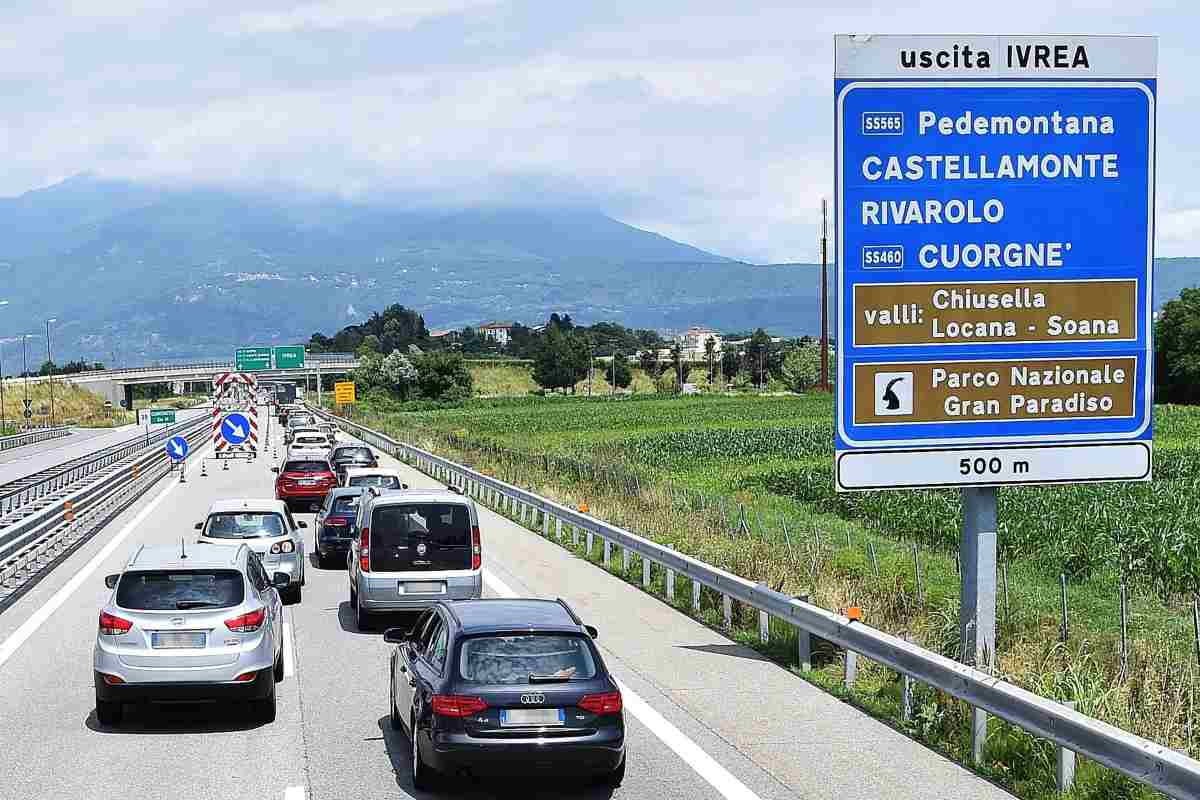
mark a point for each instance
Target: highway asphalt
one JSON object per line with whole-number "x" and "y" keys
{"x": 22, "y": 461}
{"x": 707, "y": 718}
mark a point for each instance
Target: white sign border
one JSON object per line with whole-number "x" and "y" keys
{"x": 840, "y": 255}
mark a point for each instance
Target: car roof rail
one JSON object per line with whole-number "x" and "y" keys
{"x": 570, "y": 611}
{"x": 137, "y": 554}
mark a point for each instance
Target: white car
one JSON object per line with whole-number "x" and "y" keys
{"x": 267, "y": 526}
{"x": 306, "y": 439}
{"x": 373, "y": 476}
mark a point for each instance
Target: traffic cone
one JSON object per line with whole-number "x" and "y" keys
{"x": 204, "y": 468}
{"x": 183, "y": 472}
{"x": 225, "y": 464}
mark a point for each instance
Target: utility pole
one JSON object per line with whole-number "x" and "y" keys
{"x": 591, "y": 367}
{"x": 50, "y": 362}
{"x": 612, "y": 384}
{"x": 25, "y": 370}
{"x": 3, "y": 414}
{"x": 824, "y": 299}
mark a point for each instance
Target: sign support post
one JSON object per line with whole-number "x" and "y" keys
{"x": 977, "y": 594}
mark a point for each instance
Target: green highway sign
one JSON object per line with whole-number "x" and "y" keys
{"x": 162, "y": 416}
{"x": 252, "y": 359}
{"x": 290, "y": 357}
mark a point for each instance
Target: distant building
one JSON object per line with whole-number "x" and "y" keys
{"x": 446, "y": 335}
{"x": 692, "y": 343}
{"x": 498, "y": 332}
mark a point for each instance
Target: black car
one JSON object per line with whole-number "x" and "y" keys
{"x": 505, "y": 687}
{"x": 336, "y": 525}
{"x": 347, "y": 456}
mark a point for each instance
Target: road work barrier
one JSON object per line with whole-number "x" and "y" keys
{"x": 1142, "y": 760}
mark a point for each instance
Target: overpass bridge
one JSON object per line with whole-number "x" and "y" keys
{"x": 116, "y": 385}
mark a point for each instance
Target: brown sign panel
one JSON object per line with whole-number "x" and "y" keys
{"x": 968, "y": 313}
{"x": 1018, "y": 389}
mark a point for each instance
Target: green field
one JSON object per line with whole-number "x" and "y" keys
{"x": 746, "y": 482}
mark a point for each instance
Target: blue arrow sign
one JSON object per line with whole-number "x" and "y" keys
{"x": 235, "y": 428}
{"x": 177, "y": 448}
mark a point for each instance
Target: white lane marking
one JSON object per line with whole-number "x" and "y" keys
{"x": 289, "y": 659}
{"x": 294, "y": 793}
{"x": 705, "y": 765}
{"x": 10, "y": 645}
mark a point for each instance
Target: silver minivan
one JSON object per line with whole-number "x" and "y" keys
{"x": 414, "y": 547}
{"x": 190, "y": 624}
{"x": 268, "y": 528}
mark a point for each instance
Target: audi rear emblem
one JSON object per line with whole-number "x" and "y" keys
{"x": 533, "y": 699}
{"x": 421, "y": 549}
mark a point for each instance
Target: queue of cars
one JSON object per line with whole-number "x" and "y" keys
{"x": 481, "y": 687}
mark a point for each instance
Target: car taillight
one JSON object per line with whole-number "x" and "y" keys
{"x": 246, "y": 677}
{"x": 455, "y": 705}
{"x": 607, "y": 703}
{"x": 113, "y": 625}
{"x": 112, "y": 680}
{"x": 364, "y": 550}
{"x": 476, "y": 550}
{"x": 336, "y": 522}
{"x": 248, "y": 622}
{"x": 286, "y": 546}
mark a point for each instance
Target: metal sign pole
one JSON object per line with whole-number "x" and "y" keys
{"x": 977, "y": 594}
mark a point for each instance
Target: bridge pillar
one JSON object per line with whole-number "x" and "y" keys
{"x": 178, "y": 387}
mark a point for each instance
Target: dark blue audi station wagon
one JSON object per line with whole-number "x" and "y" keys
{"x": 505, "y": 687}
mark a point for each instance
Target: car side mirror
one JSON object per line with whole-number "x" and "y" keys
{"x": 301, "y": 524}
{"x": 198, "y": 525}
{"x": 592, "y": 632}
{"x": 111, "y": 580}
{"x": 274, "y": 469}
{"x": 280, "y": 580}
{"x": 404, "y": 486}
{"x": 395, "y": 636}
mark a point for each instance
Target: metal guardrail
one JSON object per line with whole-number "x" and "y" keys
{"x": 46, "y": 534}
{"x": 33, "y": 436}
{"x": 1142, "y": 760}
{"x": 17, "y": 496}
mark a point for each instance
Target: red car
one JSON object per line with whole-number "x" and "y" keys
{"x": 304, "y": 481}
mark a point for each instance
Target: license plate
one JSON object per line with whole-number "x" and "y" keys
{"x": 307, "y": 482}
{"x": 531, "y": 717}
{"x": 423, "y": 587}
{"x": 178, "y": 640}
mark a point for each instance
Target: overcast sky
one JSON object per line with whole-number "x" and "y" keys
{"x": 707, "y": 122}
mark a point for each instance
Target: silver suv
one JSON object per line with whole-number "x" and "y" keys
{"x": 190, "y": 624}
{"x": 414, "y": 547}
{"x": 268, "y": 528}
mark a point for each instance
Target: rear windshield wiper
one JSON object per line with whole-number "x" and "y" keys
{"x": 549, "y": 678}
{"x": 194, "y": 604}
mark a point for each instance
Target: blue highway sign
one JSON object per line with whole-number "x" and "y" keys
{"x": 994, "y": 212}
{"x": 235, "y": 428}
{"x": 177, "y": 448}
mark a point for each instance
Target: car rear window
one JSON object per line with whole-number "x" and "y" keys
{"x": 353, "y": 452}
{"x": 247, "y": 525}
{"x": 513, "y": 659}
{"x": 420, "y": 536}
{"x": 168, "y": 590}
{"x": 345, "y": 504}
{"x": 314, "y": 438}
{"x": 382, "y": 481}
{"x": 306, "y": 466}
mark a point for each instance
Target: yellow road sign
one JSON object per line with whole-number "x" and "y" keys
{"x": 343, "y": 392}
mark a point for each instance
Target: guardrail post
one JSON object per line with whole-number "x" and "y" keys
{"x": 1064, "y": 766}
{"x": 851, "y": 668}
{"x": 558, "y": 528}
{"x": 590, "y": 541}
{"x": 645, "y": 572}
{"x": 545, "y": 524}
{"x": 696, "y": 595}
{"x": 979, "y": 735}
{"x": 906, "y": 692}
{"x": 607, "y": 552}
{"x": 727, "y": 609}
{"x": 764, "y": 627}
{"x": 670, "y": 581}
{"x": 624, "y": 559}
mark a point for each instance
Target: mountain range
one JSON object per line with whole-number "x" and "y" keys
{"x": 150, "y": 272}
